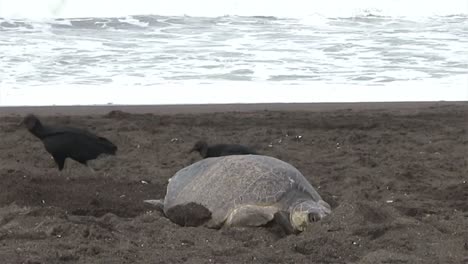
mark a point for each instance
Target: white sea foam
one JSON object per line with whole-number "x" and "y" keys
{"x": 213, "y": 8}
{"x": 333, "y": 51}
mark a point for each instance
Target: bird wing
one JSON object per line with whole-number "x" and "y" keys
{"x": 72, "y": 139}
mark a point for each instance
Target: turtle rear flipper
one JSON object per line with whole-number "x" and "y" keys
{"x": 158, "y": 204}
{"x": 190, "y": 214}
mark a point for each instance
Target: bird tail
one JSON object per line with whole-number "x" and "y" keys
{"x": 109, "y": 147}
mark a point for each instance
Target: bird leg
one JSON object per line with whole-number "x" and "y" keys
{"x": 64, "y": 172}
{"x": 60, "y": 162}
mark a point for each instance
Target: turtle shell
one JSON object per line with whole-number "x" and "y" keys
{"x": 212, "y": 188}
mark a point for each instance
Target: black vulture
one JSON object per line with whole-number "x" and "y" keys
{"x": 219, "y": 150}
{"x": 67, "y": 142}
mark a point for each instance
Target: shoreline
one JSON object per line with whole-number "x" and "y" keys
{"x": 210, "y": 108}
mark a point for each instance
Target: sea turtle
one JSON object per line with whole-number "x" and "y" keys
{"x": 242, "y": 190}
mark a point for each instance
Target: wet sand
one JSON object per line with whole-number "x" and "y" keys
{"x": 396, "y": 175}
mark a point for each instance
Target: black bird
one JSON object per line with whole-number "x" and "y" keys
{"x": 68, "y": 142}
{"x": 219, "y": 150}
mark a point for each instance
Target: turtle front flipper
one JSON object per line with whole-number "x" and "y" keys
{"x": 251, "y": 215}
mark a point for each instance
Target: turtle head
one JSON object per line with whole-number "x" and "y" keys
{"x": 201, "y": 146}
{"x": 306, "y": 212}
{"x": 31, "y": 122}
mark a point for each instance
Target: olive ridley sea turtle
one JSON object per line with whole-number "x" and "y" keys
{"x": 242, "y": 190}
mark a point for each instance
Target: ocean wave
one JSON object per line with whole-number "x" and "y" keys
{"x": 33, "y": 9}
{"x": 143, "y": 22}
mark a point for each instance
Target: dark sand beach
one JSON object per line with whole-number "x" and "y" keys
{"x": 395, "y": 174}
